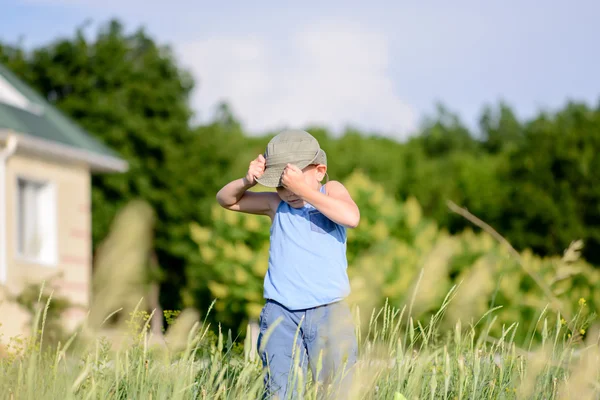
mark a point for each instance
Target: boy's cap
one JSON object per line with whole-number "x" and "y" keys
{"x": 291, "y": 146}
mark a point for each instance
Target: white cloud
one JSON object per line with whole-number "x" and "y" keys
{"x": 333, "y": 74}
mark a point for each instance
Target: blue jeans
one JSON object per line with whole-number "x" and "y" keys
{"x": 291, "y": 340}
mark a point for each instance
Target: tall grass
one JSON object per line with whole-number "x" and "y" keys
{"x": 400, "y": 358}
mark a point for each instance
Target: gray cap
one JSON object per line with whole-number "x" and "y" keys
{"x": 291, "y": 146}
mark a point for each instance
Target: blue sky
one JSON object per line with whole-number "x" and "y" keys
{"x": 376, "y": 65}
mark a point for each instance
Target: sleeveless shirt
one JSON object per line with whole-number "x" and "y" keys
{"x": 307, "y": 258}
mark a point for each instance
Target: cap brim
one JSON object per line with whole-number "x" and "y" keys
{"x": 272, "y": 175}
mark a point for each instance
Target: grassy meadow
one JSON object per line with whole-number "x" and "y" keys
{"x": 399, "y": 358}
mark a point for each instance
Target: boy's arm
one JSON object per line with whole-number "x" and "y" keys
{"x": 235, "y": 197}
{"x": 337, "y": 204}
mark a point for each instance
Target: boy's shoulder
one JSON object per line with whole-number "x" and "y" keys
{"x": 334, "y": 183}
{"x": 335, "y": 187}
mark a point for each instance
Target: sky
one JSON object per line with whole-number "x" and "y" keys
{"x": 379, "y": 66}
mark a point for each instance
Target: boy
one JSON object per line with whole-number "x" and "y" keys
{"x": 306, "y": 282}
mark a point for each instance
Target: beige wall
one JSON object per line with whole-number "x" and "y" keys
{"x": 72, "y": 272}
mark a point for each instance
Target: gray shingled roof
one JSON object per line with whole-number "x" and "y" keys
{"x": 44, "y": 121}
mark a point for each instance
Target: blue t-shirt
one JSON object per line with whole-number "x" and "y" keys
{"x": 307, "y": 259}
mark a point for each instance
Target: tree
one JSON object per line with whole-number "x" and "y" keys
{"x": 555, "y": 177}
{"x": 500, "y": 129}
{"x": 129, "y": 92}
{"x": 445, "y": 133}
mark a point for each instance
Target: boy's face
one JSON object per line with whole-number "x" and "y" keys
{"x": 313, "y": 175}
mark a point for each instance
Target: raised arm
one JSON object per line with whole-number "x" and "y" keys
{"x": 337, "y": 204}
{"x": 235, "y": 196}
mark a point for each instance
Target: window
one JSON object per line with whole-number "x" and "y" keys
{"x": 36, "y": 222}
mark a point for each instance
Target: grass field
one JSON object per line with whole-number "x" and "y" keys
{"x": 399, "y": 359}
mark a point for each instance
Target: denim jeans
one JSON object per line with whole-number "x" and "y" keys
{"x": 321, "y": 338}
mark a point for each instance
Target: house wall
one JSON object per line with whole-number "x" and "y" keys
{"x": 71, "y": 274}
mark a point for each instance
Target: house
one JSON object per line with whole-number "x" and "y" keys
{"x": 46, "y": 162}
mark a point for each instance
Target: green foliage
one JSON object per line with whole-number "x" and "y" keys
{"x": 554, "y": 175}
{"x": 501, "y": 129}
{"x": 444, "y": 134}
{"x": 417, "y": 267}
{"x": 232, "y": 262}
{"x": 170, "y": 316}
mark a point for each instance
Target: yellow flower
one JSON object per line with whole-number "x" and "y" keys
{"x": 582, "y": 331}
{"x": 562, "y": 321}
{"x": 581, "y": 302}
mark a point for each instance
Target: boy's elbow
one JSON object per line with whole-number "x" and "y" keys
{"x": 221, "y": 200}
{"x": 354, "y": 220}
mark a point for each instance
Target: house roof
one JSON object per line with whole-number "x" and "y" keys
{"x": 41, "y": 127}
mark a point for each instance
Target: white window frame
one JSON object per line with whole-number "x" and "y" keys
{"x": 50, "y": 259}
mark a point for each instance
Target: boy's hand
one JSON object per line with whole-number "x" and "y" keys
{"x": 256, "y": 169}
{"x": 293, "y": 179}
